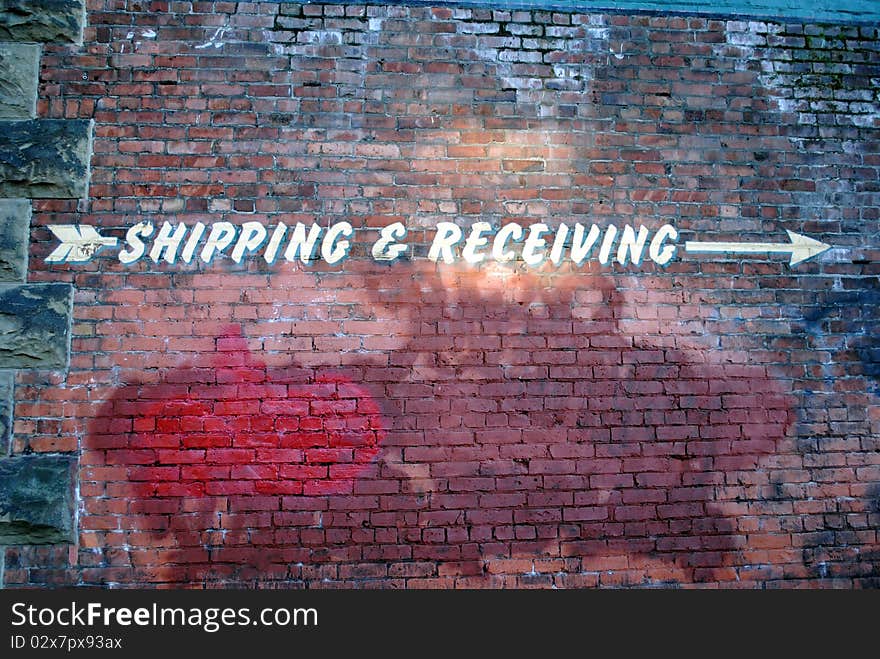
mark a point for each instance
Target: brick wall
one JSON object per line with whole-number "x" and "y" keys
{"x": 712, "y": 422}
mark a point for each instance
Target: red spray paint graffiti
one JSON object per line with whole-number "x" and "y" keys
{"x": 215, "y": 464}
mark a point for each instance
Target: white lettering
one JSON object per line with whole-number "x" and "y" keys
{"x": 190, "y": 248}
{"x": 168, "y": 242}
{"x": 221, "y": 236}
{"x": 334, "y": 250}
{"x": 630, "y": 246}
{"x": 581, "y": 246}
{"x": 302, "y": 245}
{"x": 448, "y": 234}
{"x": 136, "y": 245}
{"x": 511, "y": 231}
{"x": 607, "y": 244}
{"x": 16, "y": 610}
{"x": 660, "y": 254}
{"x": 475, "y": 241}
{"x": 534, "y": 242}
{"x": 252, "y": 236}
{"x": 386, "y": 248}
{"x": 558, "y": 244}
{"x": 274, "y": 243}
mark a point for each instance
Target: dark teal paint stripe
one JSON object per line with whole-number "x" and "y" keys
{"x": 862, "y": 12}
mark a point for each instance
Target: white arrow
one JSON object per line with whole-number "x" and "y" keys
{"x": 79, "y": 243}
{"x": 801, "y": 247}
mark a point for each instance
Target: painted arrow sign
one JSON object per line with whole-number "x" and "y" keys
{"x": 801, "y": 247}
{"x": 79, "y": 243}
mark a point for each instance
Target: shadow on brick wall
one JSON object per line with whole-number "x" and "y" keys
{"x": 839, "y": 412}
{"x": 516, "y": 436}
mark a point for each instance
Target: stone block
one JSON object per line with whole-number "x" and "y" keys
{"x": 42, "y": 20}
{"x": 15, "y": 222}
{"x": 35, "y": 325}
{"x": 36, "y": 499}
{"x": 19, "y": 74}
{"x": 45, "y": 158}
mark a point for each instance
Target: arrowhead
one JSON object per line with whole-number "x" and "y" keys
{"x": 804, "y": 248}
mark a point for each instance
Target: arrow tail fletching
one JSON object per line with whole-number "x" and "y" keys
{"x": 79, "y": 243}
{"x": 59, "y": 254}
